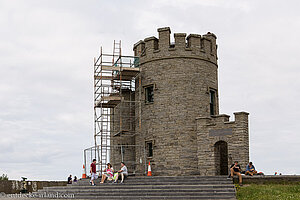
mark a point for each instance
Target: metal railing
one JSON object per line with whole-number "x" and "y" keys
{"x": 134, "y": 157}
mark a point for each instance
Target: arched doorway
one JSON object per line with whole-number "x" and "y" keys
{"x": 221, "y": 158}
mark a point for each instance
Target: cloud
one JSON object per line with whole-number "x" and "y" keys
{"x": 46, "y": 69}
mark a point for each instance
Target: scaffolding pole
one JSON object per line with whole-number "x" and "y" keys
{"x": 114, "y": 88}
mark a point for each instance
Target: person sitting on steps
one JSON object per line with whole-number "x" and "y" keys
{"x": 70, "y": 179}
{"x": 123, "y": 172}
{"x": 250, "y": 169}
{"x": 75, "y": 179}
{"x": 235, "y": 169}
{"x": 108, "y": 173}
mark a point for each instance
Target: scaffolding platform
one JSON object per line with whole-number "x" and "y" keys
{"x": 114, "y": 100}
{"x": 124, "y": 73}
{"x": 121, "y": 132}
{"x": 109, "y": 101}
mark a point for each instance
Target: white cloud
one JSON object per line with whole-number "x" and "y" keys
{"x": 46, "y": 55}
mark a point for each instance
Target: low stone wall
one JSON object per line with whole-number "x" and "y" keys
{"x": 13, "y": 186}
{"x": 269, "y": 179}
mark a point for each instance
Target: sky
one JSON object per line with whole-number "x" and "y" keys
{"x": 46, "y": 74}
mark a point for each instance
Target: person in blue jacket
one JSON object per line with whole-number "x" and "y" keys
{"x": 250, "y": 169}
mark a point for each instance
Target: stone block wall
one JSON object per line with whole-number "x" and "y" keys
{"x": 182, "y": 75}
{"x": 14, "y": 186}
{"x": 211, "y": 130}
{"x": 123, "y": 122}
{"x": 187, "y": 138}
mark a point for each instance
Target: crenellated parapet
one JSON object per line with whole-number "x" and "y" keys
{"x": 196, "y": 46}
{"x": 215, "y": 130}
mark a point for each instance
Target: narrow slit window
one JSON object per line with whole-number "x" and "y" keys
{"x": 212, "y": 102}
{"x": 149, "y": 149}
{"x": 149, "y": 94}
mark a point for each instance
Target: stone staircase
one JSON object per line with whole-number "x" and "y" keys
{"x": 199, "y": 187}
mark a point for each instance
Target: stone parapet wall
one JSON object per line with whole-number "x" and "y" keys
{"x": 193, "y": 46}
{"x": 269, "y": 179}
{"x": 211, "y": 130}
{"x": 14, "y": 186}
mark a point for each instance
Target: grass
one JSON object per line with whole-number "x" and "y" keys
{"x": 269, "y": 192}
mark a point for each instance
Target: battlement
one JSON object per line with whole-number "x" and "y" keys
{"x": 240, "y": 118}
{"x": 194, "y": 45}
{"x": 218, "y": 135}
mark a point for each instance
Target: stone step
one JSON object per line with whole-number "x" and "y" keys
{"x": 146, "y": 192}
{"x": 165, "y": 180}
{"x": 154, "y": 193}
{"x": 134, "y": 190}
{"x": 194, "y": 194}
{"x": 162, "y": 183}
{"x": 135, "y": 197}
{"x": 124, "y": 186}
{"x": 171, "y": 178}
{"x": 168, "y": 178}
{"x": 151, "y": 188}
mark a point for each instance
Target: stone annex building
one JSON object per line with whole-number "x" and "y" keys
{"x": 180, "y": 129}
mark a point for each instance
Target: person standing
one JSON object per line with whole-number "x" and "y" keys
{"x": 235, "y": 169}
{"x": 93, "y": 172}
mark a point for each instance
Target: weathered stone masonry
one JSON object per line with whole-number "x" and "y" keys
{"x": 189, "y": 136}
{"x": 211, "y": 130}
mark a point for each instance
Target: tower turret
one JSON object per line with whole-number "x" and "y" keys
{"x": 179, "y": 84}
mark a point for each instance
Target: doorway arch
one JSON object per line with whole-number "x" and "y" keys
{"x": 221, "y": 157}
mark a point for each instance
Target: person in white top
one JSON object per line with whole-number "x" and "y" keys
{"x": 123, "y": 172}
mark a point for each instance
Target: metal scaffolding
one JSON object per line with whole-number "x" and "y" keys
{"x": 114, "y": 101}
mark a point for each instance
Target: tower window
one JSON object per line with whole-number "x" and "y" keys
{"x": 149, "y": 94}
{"x": 149, "y": 149}
{"x": 212, "y": 102}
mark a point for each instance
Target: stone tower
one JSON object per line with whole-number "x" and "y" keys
{"x": 182, "y": 131}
